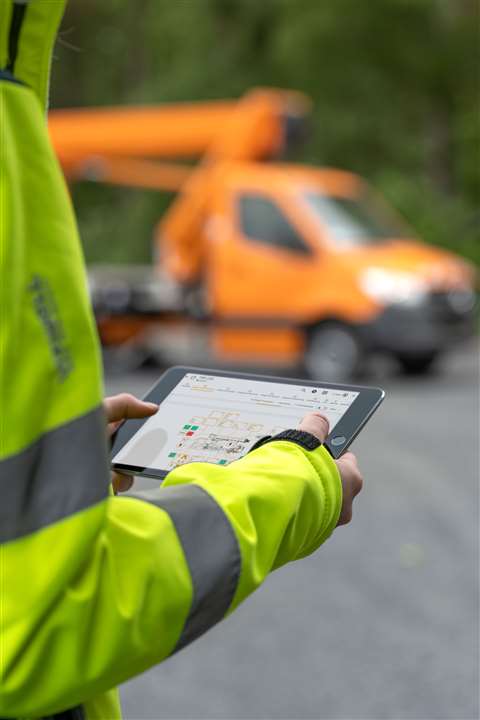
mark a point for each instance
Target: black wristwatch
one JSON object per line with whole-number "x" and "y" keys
{"x": 300, "y": 437}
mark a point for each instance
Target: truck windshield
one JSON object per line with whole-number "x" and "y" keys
{"x": 355, "y": 221}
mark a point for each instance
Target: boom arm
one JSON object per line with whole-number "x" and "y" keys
{"x": 116, "y": 145}
{"x": 183, "y": 130}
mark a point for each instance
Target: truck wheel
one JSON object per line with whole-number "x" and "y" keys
{"x": 334, "y": 353}
{"x": 417, "y": 364}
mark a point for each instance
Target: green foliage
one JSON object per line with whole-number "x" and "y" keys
{"x": 116, "y": 224}
{"x": 394, "y": 84}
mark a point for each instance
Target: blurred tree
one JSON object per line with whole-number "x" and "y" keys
{"x": 394, "y": 84}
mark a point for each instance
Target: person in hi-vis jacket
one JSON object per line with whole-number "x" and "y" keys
{"x": 95, "y": 587}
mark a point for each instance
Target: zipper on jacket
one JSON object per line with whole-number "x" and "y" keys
{"x": 18, "y": 16}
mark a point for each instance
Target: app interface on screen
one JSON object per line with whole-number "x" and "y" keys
{"x": 214, "y": 419}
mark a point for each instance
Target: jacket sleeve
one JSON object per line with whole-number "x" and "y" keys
{"x": 110, "y": 591}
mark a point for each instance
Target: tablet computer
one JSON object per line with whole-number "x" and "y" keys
{"x": 216, "y": 416}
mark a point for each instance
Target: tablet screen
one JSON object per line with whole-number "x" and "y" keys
{"x": 216, "y": 419}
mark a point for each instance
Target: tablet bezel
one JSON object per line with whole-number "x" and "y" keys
{"x": 348, "y": 427}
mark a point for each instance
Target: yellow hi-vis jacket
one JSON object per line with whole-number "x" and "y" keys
{"x": 95, "y": 588}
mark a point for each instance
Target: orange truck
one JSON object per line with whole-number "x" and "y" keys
{"x": 269, "y": 262}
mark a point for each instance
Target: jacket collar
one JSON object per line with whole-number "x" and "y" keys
{"x": 27, "y": 33}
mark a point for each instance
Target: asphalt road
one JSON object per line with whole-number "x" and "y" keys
{"x": 383, "y": 621}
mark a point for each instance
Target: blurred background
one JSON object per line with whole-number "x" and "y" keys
{"x": 394, "y": 87}
{"x": 324, "y": 225}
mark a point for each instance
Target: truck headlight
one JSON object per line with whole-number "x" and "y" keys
{"x": 389, "y": 287}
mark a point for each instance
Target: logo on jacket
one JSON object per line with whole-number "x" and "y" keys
{"x": 47, "y": 310}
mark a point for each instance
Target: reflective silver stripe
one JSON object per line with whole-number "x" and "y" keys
{"x": 63, "y": 472}
{"x": 211, "y": 550}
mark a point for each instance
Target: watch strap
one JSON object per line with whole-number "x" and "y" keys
{"x": 300, "y": 437}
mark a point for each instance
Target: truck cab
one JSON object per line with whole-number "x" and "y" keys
{"x": 311, "y": 262}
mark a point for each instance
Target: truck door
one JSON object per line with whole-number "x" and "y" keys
{"x": 263, "y": 265}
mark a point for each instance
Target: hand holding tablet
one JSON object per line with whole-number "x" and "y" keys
{"x": 216, "y": 416}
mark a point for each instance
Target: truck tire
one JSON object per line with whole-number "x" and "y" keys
{"x": 420, "y": 364}
{"x": 334, "y": 352}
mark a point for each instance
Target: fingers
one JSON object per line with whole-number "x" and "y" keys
{"x": 348, "y": 463}
{"x": 352, "y": 483}
{"x": 121, "y": 483}
{"x": 316, "y": 424}
{"x": 122, "y": 407}
{"x": 125, "y": 406}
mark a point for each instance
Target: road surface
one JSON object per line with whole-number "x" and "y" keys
{"x": 382, "y": 622}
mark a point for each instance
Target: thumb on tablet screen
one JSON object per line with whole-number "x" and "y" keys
{"x": 316, "y": 424}
{"x": 124, "y": 406}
